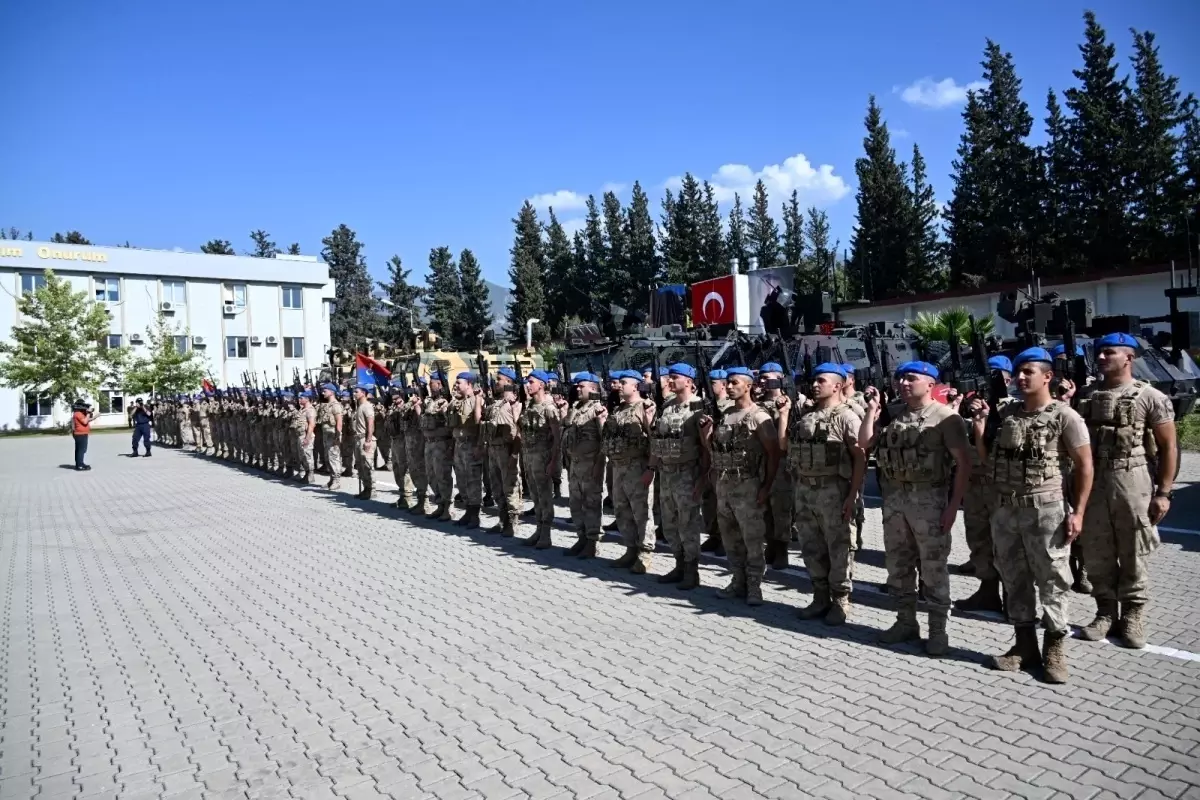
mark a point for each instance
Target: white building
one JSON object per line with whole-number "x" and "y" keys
{"x": 245, "y": 314}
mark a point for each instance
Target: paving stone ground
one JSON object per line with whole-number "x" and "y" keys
{"x": 177, "y": 627}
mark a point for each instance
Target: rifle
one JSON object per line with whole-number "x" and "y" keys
{"x": 808, "y": 365}
{"x": 875, "y": 371}
{"x": 485, "y": 380}
{"x": 659, "y": 399}
{"x": 522, "y": 395}
{"x": 718, "y": 414}
{"x": 1079, "y": 367}
{"x": 997, "y": 389}
{"x": 951, "y": 378}
{"x": 789, "y": 382}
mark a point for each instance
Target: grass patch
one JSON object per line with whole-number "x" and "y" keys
{"x": 1188, "y": 430}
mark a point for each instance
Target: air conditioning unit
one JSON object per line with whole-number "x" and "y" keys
{"x": 197, "y": 341}
{"x": 135, "y": 338}
{"x": 272, "y": 340}
{"x": 255, "y": 340}
{"x": 229, "y": 308}
{"x": 166, "y": 306}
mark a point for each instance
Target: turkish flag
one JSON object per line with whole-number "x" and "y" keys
{"x": 712, "y": 301}
{"x": 940, "y": 392}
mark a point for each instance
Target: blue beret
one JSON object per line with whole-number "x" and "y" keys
{"x": 745, "y": 373}
{"x": 365, "y": 387}
{"x": 718, "y": 374}
{"x": 1118, "y": 340}
{"x": 686, "y": 370}
{"x": 437, "y": 376}
{"x": 1001, "y": 363}
{"x": 770, "y": 366}
{"x": 831, "y": 368}
{"x": 288, "y": 396}
{"x": 507, "y": 372}
{"x": 919, "y": 368}
{"x": 585, "y": 376}
{"x": 538, "y": 374}
{"x": 1033, "y": 354}
{"x": 306, "y": 393}
{"x": 627, "y": 374}
{"x": 1061, "y": 350}
{"x": 421, "y": 379}
{"x": 663, "y": 372}
{"x": 330, "y": 387}
{"x": 849, "y": 369}
{"x": 469, "y": 377}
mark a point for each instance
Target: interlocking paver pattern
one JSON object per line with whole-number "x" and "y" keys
{"x": 177, "y": 627}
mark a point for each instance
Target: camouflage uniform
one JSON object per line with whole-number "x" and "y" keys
{"x": 304, "y": 452}
{"x": 500, "y": 435}
{"x": 536, "y": 442}
{"x": 439, "y": 453}
{"x": 676, "y": 446}
{"x": 205, "y": 428}
{"x": 819, "y": 456}
{"x": 914, "y": 462}
{"x": 187, "y": 436}
{"x": 468, "y": 455}
{"x": 364, "y": 413}
{"x": 626, "y": 444}
{"x": 346, "y": 445}
{"x": 780, "y": 505}
{"x": 739, "y": 468}
{"x": 1118, "y": 536}
{"x": 396, "y": 425}
{"x": 328, "y": 413}
{"x": 414, "y": 450}
{"x": 581, "y": 444}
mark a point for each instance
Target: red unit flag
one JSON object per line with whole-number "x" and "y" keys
{"x": 713, "y": 301}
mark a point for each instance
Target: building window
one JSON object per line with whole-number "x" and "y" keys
{"x": 175, "y": 293}
{"x": 108, "y": 290}
{"x": 37, "y": 406}
{"x": 112, "y": 341}
{"x": 293, "y": 347}
{"x": 181, "y": 344}
{"x": 236, "y": 294}
{"x": 31, "y": 283}
{"x": 112, "y": 401}
{"x": 235, "y": 347}
{"x": 293, "y": 297}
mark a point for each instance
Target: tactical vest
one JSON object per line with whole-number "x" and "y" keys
{"x": 298, "y": 423}
{"x": 1119, "y": 439}
{"x": 396, "y": 422}
{"x": 670, "y": 445}
{"x": 581, "y": 431}
{"x": 811, "y": 451}
{"x": 1026, "y": 453}
{"x": 624, "y": 435}
{"x": 435, "y": 416}
{"x": 462, "y": 419}
{"x": 735, "y": 446}
{"x": 910, "y": 451}
{"x": 498, "y": 423}
{"x": 333, "y": 410}
{"x": 535, "y": 426}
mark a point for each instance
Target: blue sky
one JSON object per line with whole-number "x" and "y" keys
{"x": 418, "y": 125}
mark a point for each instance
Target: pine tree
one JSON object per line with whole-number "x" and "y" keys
{"x": 559, "y": 281}
{"x": 293, "y": 249}
{"x": 353, "y": 320}
{"x": 217, "y": 247}
{"x": 793, "y": 230}
{"x": 404, "y": 314}
{"x": 71, "y": 237}
{"x": 614, "y": 280}
{"x": 736, "y": 245}
{"x": 528, "y": 299}
{"x": 476, "y": 304}
{"x": 819, "y": 263}
{"x": 683, "y": 248}
{"x": 1190, "y": 159}
{"x": 1100, "y": 157}
{"x": 925, "y": 262}
{"x": 443, "y": 294}
{"x": 762, "y": 235}
{"x": 1057, "y": 191}
{"x": 1157, "y": 190}
{"x": 880, "y": 239}
{"x": 712, "y": 236}
{"x": 263, "y": 246}
{"x": 965, "y": 217}
{"x": 597, "y": 257}
{"x": 644, "y": 266}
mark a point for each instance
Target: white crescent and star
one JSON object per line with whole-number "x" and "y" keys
{"x": 704, "y": 305}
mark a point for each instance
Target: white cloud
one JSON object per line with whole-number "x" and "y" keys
{"x": 814, "y": 185}
{"x": 928, "y": 93}
{"x": 573, "y": 225}
{"x": 900, "y": 133}
{"x": 615, "y": 188}
{"x": 562, "y": 200}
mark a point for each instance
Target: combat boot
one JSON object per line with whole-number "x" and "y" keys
{"x": 365, "y": 494}
{"x": 418, "y": 506}
{"x": 530, "y": 541}
{"x": 348, "y": 473}
{"x": 1054, "y": 657}
{"x": 1082, "y": 585}
{"x": 472, "y": 518}
{"x": 627, "y": 558}
{"x": 905, "y": 628}
{"x": 611, "y": 527}
{"x": 1132, "y": 629}
{"x": 986, "y": 598}
{"x": 712, "y": 544}
{"x": 488, "y": 501}
{"x": 508, "y": 531}
{"x": 589, "y": 549}
{"x": 498, "y": 527}
{"x": 754, "y": 591}
{"x": 544, "y": 540}
{"x": 1024, "y": 653}
{"x": 769, "y": 553}
{"x": 736, "y": 587}
{"x": 445, "y": 515}
{"x": 311, "y": 479}
{"x": 1106, "y": 614}
{"x": 820, "y": 602}
{"x": 839, "y": 610}
{"x": 938, "y": 642}
{"x": 464, "y": 519}
{"x": 436, "y": 512}
{"x": 576, "y": 548}
{"x": 675, "y": 575}
{"x": 334, "y": 484}
{"x": 691, "y": 576}
{"x": 640, "y": 564}
{"x": 780, "y": 561}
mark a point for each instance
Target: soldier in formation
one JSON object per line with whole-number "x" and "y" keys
{"x": 581, "y": 437}
{"x": 779, "y": 520}
{"x": 626, "y": 444}
{"x": 501, "y": 438}
{"x": 540, "y": 437}
{"x": 465, "y": 418}
{"x": 679, "y": 462}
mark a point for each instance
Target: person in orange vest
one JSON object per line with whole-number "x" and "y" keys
{"x": 81, "y": 426}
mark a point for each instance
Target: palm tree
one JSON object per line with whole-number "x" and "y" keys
{"x": 939, "y": 327}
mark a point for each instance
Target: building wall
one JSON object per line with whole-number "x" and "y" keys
{"x": 209, "y": 281}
